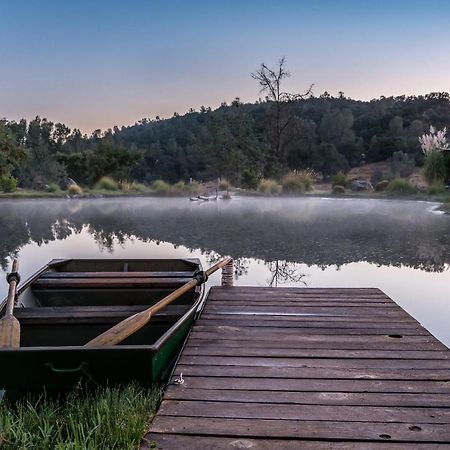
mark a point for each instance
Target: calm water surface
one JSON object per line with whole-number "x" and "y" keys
{"x": 401, "y": 247}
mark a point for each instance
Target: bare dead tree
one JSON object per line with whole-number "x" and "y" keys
{"x": 270, "y": 81}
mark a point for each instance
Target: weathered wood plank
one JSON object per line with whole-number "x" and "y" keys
{"x": 228, "y": 314}
{"x": 175, "y": 392}
{"x": 280, "y": 411}
{"x": 319, "y": 385}
{"x": 187, "y": 442}
{"x": 52, "y": 275}
{"x": 338, "y": 372}
{"x": 107, "y": 283}
{"x": 304, "y": 429}
{"x": 325, "y": 363}
{"x": 218, "y": 350}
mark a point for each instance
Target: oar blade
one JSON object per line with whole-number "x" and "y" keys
{"x": 121, "y": 331}
{"x": 9, "y": 332}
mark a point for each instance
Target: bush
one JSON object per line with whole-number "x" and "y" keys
{"x": 296, "y": 182}
{"x": 107, "y": 183}
{"x": 435, "y": 166}
{"x": 337, "y": 189}
{"x": 8, "y": 183}
{"x": 195, "y": 188}
{"x": 53, "y": 187}
{"x": 437, "y": 187}
{"x": 139, "y": 187}
{"x": 74, "y": 189}
{"x": 382, "y": 185}
{"x": 249, "y": 179}
{"x": 401, "y": 186}
{"x": 340, "y": 179}
{"x": 269, "y": 186}
{"x": 161, "y": 187}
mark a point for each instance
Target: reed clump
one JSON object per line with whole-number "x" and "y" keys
{"x": 107, "y": 184}
{"x": 401, "y": 186}
{"x": 111, "y": 418}
{"x": 269, "y": 186}
{"x": 298, "y": 181}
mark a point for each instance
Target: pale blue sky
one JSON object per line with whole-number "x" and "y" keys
{"x": 95, "y": 64}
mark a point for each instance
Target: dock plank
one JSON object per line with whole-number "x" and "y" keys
{"x": 306, "y": 368}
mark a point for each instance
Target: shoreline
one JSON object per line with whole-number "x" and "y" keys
{"x": 443, "y": 199}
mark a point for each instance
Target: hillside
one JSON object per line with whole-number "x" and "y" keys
{"x": 241, "y": 142}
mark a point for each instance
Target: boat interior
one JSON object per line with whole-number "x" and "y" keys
{"x": 69, "y": 302}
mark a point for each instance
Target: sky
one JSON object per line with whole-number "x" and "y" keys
{"x": 95, "y": 64}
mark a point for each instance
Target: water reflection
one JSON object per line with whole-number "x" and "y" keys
{"x": 401, "y": 247}
{"x": 313, "y": 231}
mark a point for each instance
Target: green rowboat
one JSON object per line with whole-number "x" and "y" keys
{"x": 70, "y": 301}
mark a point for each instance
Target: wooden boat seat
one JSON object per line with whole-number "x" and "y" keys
{"x": 69, "y": 275}
{"x": 93, "y": 314}
{"x": 128, "y": 282}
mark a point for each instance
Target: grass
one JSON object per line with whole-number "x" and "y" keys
{"x": 298, "y": 182}
{"x": 111, "y": 418}
{"x": 401, "y": 186}
{"x": 107, "y": 184}
{"x": 269, "y": 186}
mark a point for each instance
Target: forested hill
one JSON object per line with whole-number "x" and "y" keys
{"x": 234, "y": 141}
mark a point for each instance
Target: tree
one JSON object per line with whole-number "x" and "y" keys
{"x": 283, "y": 111}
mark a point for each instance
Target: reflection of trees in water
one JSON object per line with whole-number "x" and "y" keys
{"x": 283, "y": 272}
{"x": 307, "y": 231}
{"x": 240, "y": 265}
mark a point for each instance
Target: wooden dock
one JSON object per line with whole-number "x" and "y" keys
{"x": 303, "y": 368}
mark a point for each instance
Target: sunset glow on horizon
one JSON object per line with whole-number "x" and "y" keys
{"x": 99, "y": 64}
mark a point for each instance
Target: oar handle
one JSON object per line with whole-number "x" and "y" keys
{"x": 13, "y": 279}
{"x": 219, "y": 265}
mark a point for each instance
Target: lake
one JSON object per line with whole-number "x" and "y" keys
{"x": 401, "y": 247}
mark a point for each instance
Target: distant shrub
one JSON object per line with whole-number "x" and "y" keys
{"x": 338, "y": 189}
{"x": 108, "y": 184}
{"x": 74, "y": 189}
{"x": 401, "y": 186}
{"x": 161, "y": 187}
{"x": 435, "y": 166}
{"x": 52, "y": 187}
{"x": 382, "y": 185}
{"x": 8, "y": 183}
{"x": 139, "y": 187}
{"x": 249, "y": 179}
{"x": 340, "y": 179}
{"x": 269, "y": 186}
{"x": 437, "y": 187}
{"x": 224, "y": 184}
{"x": 195, "y": 188}
{"x": 296, "y": 182}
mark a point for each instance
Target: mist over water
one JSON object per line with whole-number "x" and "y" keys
{"x": 402, "y": 247}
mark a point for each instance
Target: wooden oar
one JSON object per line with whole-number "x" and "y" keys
{"x": 130, "y": 325}
{"x": 9, "y": 325}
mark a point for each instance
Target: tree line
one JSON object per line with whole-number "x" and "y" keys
{"x": 239, "y": 141}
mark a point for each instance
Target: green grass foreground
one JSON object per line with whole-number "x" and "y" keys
{"x": 111, "y": 418}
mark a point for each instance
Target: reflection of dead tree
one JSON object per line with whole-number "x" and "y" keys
{"x": 284, "y": 272}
